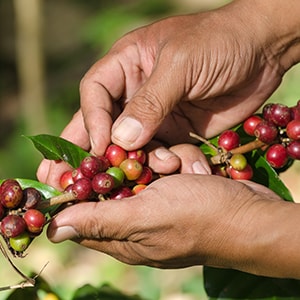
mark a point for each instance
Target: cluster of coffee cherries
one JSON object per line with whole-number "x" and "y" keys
{"x": 115, "y": 175}
{"x": 20, "y": 220}
{"x": 278, "y": 130}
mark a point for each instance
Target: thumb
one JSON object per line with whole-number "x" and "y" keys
{"x": 146, "y": 110}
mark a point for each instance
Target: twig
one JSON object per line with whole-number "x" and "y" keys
{"x": 28, "y": 282}
{"x": 60, "y": 199}
{"x": 203, "y": 140}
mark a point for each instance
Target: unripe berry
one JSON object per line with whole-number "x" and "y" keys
{"x": 117, "y": 174}
{"x": 238, "y": 161}
{"x": 131, "y": 168}
{"x": 138, "y": 188}
{"x": 21, "y": 242}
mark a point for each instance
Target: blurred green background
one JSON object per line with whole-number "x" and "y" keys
{"x": 45, "y": 49}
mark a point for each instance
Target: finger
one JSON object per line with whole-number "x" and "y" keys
{"x": 192, "y": 159}
{"x": 160, "y": 159}
{"x": 146, "y": 110}
{"x": 50, "y": 171}
{"x": 103, "y": 83}
{"x": 94, "y": 220}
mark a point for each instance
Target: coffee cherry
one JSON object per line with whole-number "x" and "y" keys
{"x": 82, "y": 188}
{"x": 11, "y": 194}
{"x": 266, "y": 132}
{"x": 293, "y": 149}
{"x": 138, "y": 188}
{"x": 90, "y": 166}
{"x": 66, "y": 179}
{"x": 250, "y": 124}
{"x": 12, "y": 225}
{"x": 145, "y": 177}
{"x": 219, "y": 170}
{"x": 293, "y": 129}
{"x": 266, "y": 112}
{"x": 139, "y": 155}
{"x": 229, "y": 140}
{"x": 104, "y": 162}
{"x": 238, "y": 161}
{"x": 77, "y": 174}
{"x": 35, "y": 220}
{"x": 117, "y": 174}
{"x": 102, "y": 183}
{"x": 280, "y": 114}
{"x": 21, "y": 242}
{"x": 131, "y": 168}
{"x": 245, "y": 174}
{"x": 31, "y": 198}
{"x": 295, "y": 112}
{"x": 277, "y": 156}
{"x": 115, "y": 154}
{"x": 121, "y": 192}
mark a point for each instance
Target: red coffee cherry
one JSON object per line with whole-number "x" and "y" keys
{"x": 12, "y": 225}
{"x": 11, "y": 194}
{"x": 102, "y": 183}
{"x": 229, "y": 140}
{"x": 35, "y": 220}
{"x": 115, "y": 154}
{"x": 82, "y": 188}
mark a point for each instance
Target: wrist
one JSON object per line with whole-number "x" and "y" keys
{"x": 278, "y": 25}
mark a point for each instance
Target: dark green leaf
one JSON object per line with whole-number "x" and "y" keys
{"x": 57, "y": 148}
{"x": 47, "y": 191}
{"x": 105, "y": 292}
{"x": 232, "y": 284}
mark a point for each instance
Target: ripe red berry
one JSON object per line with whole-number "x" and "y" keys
{"x": 277, "y": 156}
{"x": 293, "y": 130}
{"x": 66, "y": 179}
{"x": 266, "y": 131}
{"x": 121, "y": 192}
{"x": 90, "y": 166}
{"x": 266, "y": 112}
{"x": 35, "y": 220}
{"x": 12, "y": 225}
{"x": 293, "y": 150}
{"x": 11, "y": 194}
{"x": 245, "y": 174}
{"x": 102, "y": 183}
{"x": 77, "y": 174}
{"x": 139, "y": 155}
{"x": 229, "y": 140}
{"x": 145, "y": 177}
{"x": 131, "y": 168}
{"x": 280, "y": 114}
{"x": 82, "y": 188}
{"x": 115, "y": 154}
{"x": 250, "y": 124}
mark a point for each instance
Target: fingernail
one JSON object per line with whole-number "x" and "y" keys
{"x": 127, "y": 131}
{"x": 198, "y": 168}
{"x": 61, "y": 234}
{"x": 163, "y": 154}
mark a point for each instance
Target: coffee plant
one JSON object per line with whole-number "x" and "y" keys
{"x": 259, "y": 149}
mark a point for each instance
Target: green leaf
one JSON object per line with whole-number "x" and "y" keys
{"x": 105, "y": 292}
{"x": 57, "y": 148}
{"x": 232, "y": 284}
{"x": 47, "y": 191}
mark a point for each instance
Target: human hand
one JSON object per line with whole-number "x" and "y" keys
{"x": 202, "y": 73}
{"x": 179, "y": 221}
